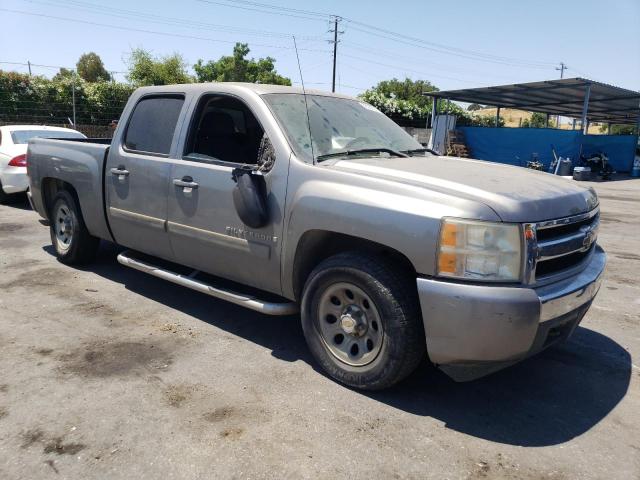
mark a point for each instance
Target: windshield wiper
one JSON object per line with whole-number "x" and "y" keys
{"x": 348, "y": 153}
{"x": 419, "y": 150}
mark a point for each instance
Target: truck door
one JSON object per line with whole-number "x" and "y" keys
{"x": 137, "y": 175}
{"x": 205, "y": 230}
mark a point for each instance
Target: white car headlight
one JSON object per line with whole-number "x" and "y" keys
{"x": 482, "y": 251}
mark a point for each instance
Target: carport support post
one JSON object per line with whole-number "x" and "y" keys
{"x": 546, "y": 121}
{"x": 434, "y": 113}
{"x": 498, "y": 117}
{"x": 585, "y": 109}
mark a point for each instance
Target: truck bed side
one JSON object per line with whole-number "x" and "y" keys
{"x": 78, "y": 164}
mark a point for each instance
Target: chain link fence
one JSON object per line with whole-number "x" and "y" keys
{"x": 66, "y": 102}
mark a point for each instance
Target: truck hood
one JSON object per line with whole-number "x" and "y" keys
{"x": 516, "y": 194}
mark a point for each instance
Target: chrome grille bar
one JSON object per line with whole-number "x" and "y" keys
{"x": 556, "y": 245}
{"x": 580, "y": 241}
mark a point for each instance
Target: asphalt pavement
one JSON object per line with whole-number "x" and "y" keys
{"x": 109, "y": 373}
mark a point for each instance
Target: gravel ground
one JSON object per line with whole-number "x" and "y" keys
{"x": 109, "y": 373}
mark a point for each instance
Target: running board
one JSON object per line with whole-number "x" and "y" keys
{"x": 247, "y": 301}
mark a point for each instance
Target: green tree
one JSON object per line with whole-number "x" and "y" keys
{"x": 145, "y": 69}
{"x": 402, "y": 100}
{"x": 91, "y": 68}
{"x": 237, "y": 68}
{"x": 537, "y": 120}
{"x": 618, "y": 129}
{"x": 37, "y": 99}
{"x": 407, "y": 89}
{"x": 474, "y": 106}
{"x": 62, "y": 74}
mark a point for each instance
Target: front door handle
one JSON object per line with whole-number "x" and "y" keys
{"x": 185, "y": 182}
{"x": 120, "y": 171}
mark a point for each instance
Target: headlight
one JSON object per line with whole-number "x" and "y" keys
{"x": 483, "y": 251}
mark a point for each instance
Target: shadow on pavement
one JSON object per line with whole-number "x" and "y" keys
{"x": 19, "y": 201}
{"x": 282, "y": 335}
{"x": 546, "y": 400}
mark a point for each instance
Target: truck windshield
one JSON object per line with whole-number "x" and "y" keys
{"x": 337, "y": 125}
{"x": 23, "y": 136}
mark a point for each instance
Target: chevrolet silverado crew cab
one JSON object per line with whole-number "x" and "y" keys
{"x": 317, "y": 203}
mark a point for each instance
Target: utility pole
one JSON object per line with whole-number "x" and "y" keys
{"x": 562, "y": 68}
{"x": 335, "y": 31}
{"x": 29, "y": 63}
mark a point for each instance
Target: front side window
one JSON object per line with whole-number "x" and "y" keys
{"x": 337, "y": 125}
{"x": 153, "y": 124}
{"x": 23, "y": 136}
{"x": 225, "y": 130}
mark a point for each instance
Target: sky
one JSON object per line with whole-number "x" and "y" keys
{"x": 453, "y": 44}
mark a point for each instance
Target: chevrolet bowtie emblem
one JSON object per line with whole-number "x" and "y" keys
{"x": 588, "y": 239}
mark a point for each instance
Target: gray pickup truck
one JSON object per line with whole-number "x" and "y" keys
{"x": 317, "y": 203}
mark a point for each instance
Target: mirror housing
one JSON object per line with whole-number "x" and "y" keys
{"x": 249, "y": 197}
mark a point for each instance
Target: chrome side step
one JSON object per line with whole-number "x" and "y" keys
{"x": 247, "y": 301}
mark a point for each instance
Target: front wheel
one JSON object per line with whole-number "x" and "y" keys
{"x": 73, "y": 243}
{"x": 362, "y": 322}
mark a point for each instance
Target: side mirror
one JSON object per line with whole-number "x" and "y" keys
{"x": 249, "y": 197}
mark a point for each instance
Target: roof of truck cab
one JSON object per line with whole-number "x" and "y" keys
{"x": 258, "y": 88}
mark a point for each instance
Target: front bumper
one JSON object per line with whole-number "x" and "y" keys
{"x": 473, "y": 330}
{"x": 14, "y": 179}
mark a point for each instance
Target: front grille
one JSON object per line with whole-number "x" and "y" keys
{"x": 565, "y": 243}
{"x": 545, "y": 234}
{"x": 559, "y": 264}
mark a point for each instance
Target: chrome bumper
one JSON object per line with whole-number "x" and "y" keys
{"x": 472, "y": 330}
{"x": 565, "y": 296}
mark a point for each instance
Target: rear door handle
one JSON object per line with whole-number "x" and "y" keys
{"x": 185, "y": 182}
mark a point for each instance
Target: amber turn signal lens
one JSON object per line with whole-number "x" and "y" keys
{"x": 447, "y": 263}
{"x": 448, "y": 235}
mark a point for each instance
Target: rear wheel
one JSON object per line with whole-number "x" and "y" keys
{"x": 362, "y": 321}
{"x": 71, "y": 240}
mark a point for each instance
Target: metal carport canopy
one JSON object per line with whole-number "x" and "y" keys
{"x": 566, "y": 97}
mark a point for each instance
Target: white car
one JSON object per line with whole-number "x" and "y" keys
{"x": 13, "y": 153}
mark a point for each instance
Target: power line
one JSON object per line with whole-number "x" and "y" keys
{"x": 387, "y": 34}
{"x": 281, "y": 11}
{"x": 154, "y": 32}
{"x": 147, "y": 17}
{"x": 407, "y": 69}
{"x": 385, "y": 53}
{"x": 48, "y": 66}
{"x": 391, "y": 35}
{"x": 288, "y": 9}
{"x": 455, "y": 54}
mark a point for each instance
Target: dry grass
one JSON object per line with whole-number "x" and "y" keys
{"x": 514, "y": 118}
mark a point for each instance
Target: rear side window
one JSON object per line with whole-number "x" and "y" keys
{"x": 153, "y": 123}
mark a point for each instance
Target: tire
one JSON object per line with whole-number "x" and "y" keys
{"x": 4, "y": 197}
{"x": 71, "y": 240}
{"x": 374, "y": 302}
